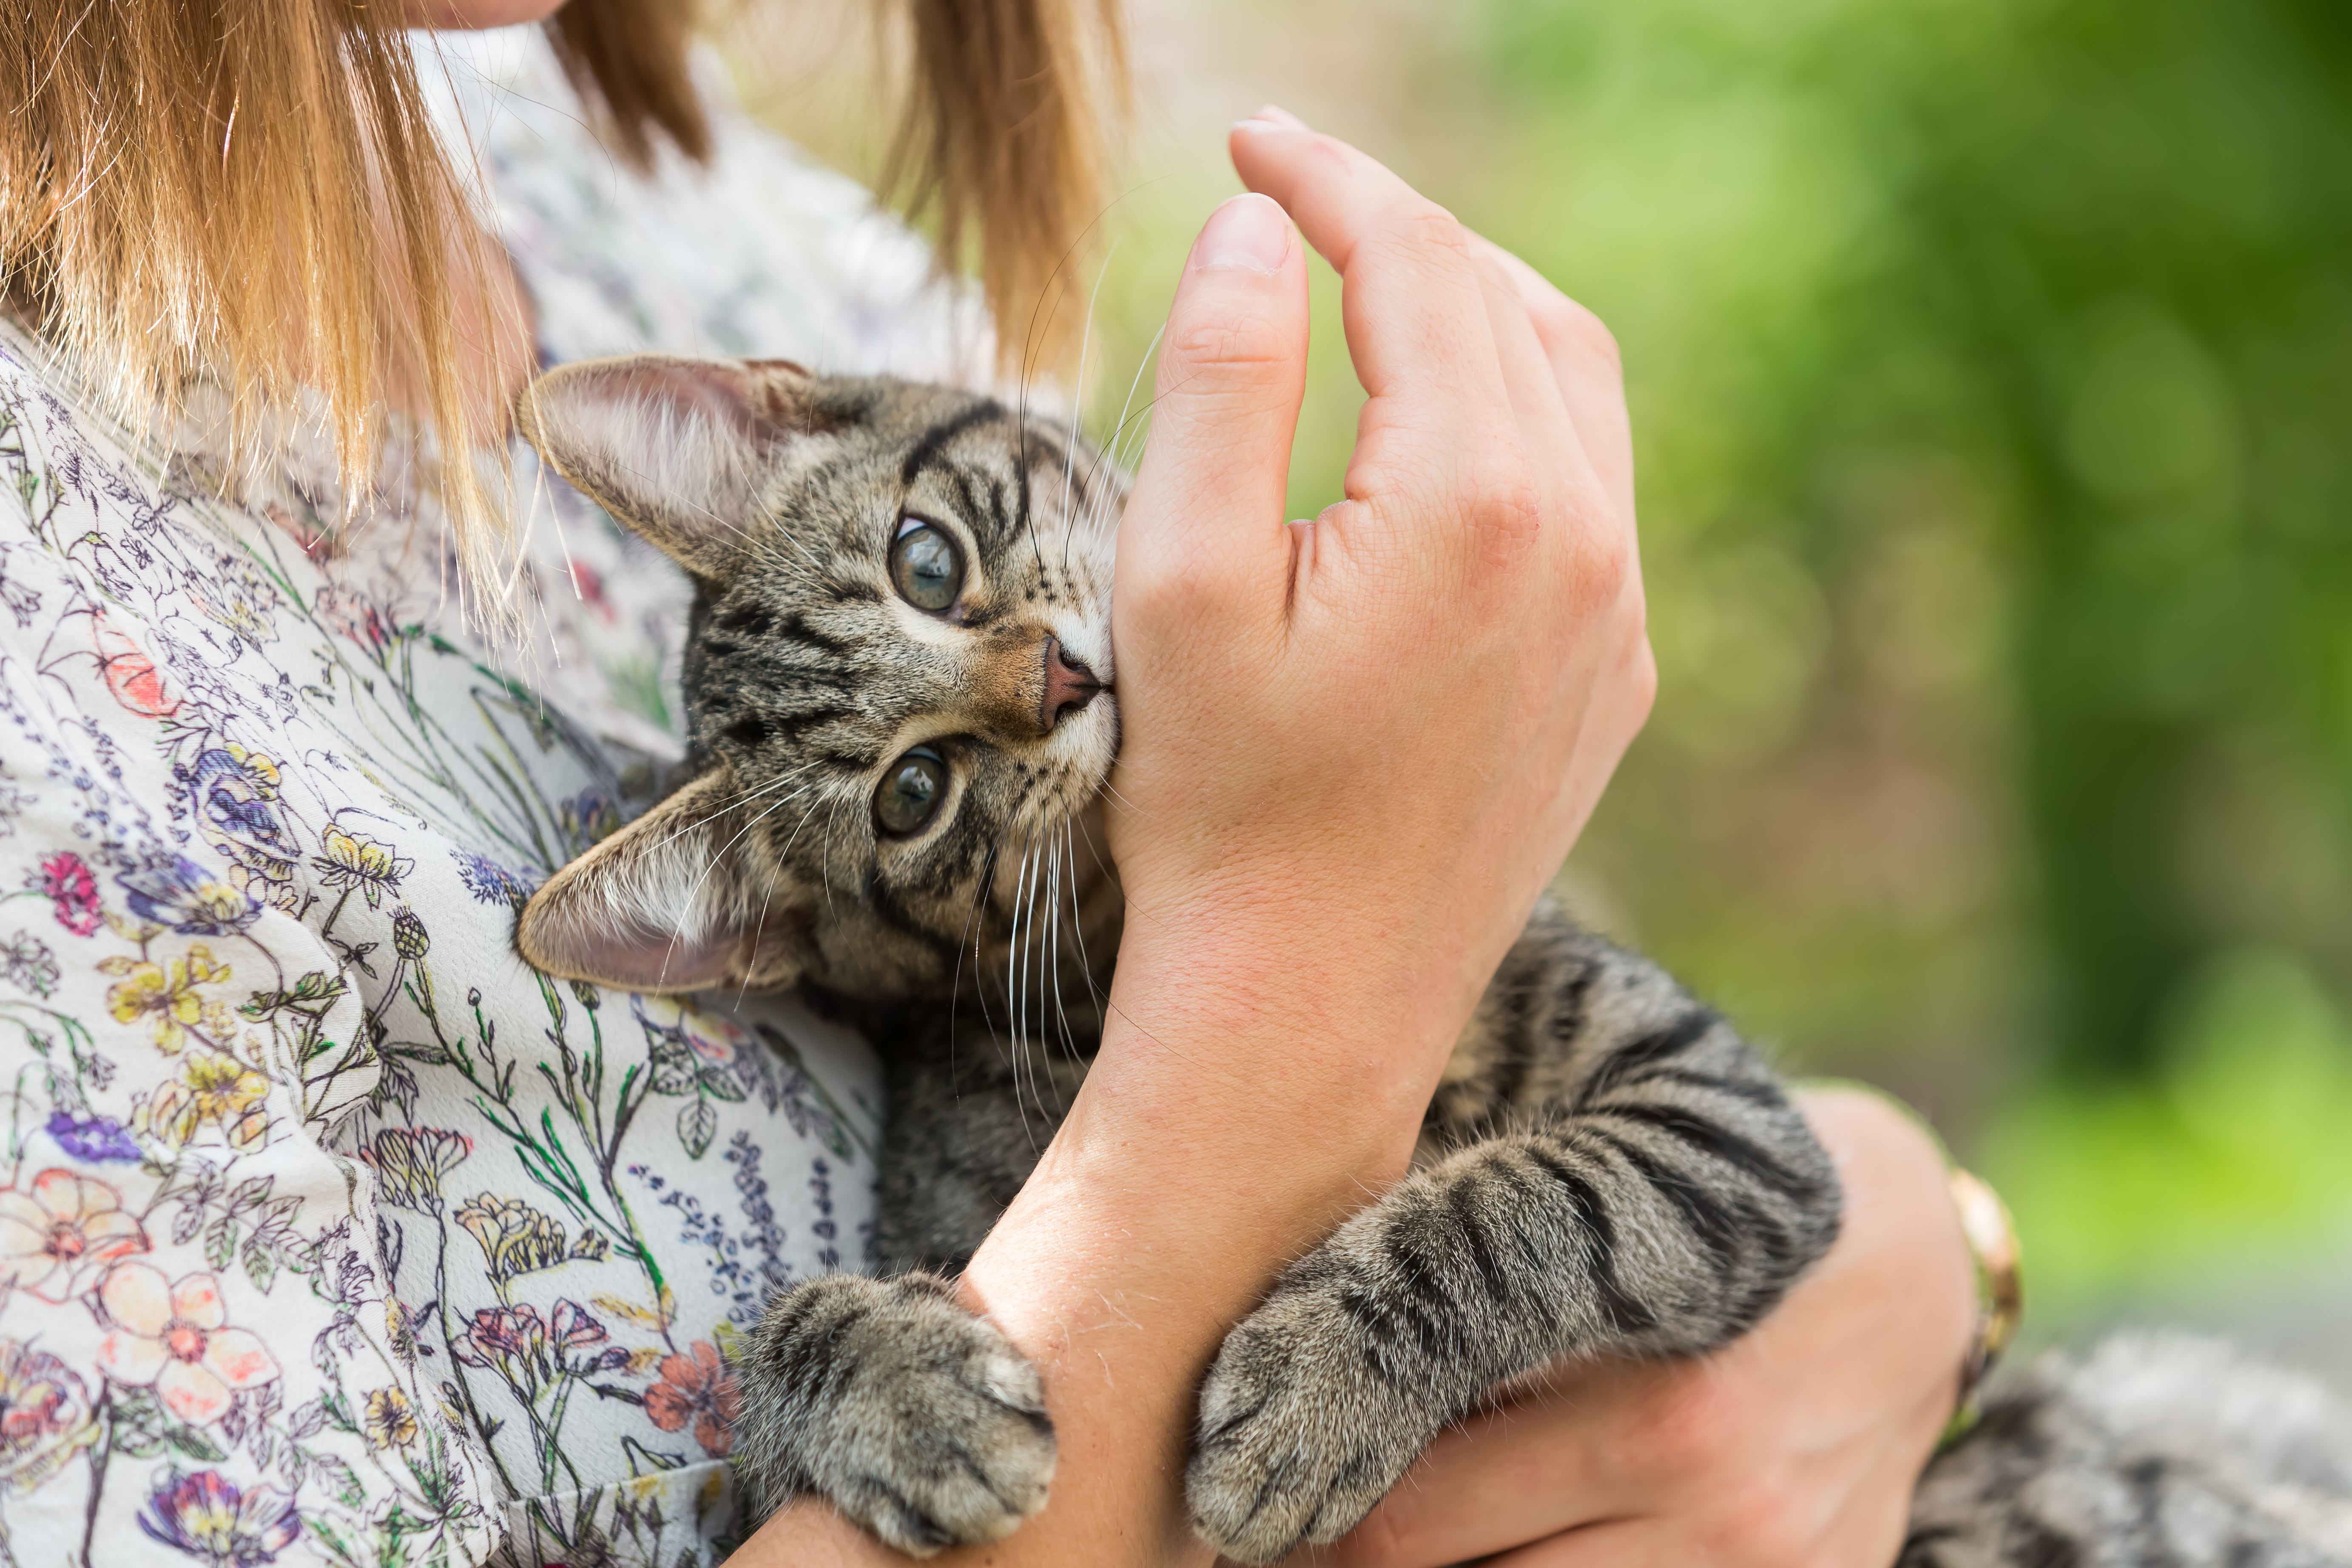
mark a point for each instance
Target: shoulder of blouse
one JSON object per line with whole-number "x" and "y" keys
{"x": 761, "y": 252}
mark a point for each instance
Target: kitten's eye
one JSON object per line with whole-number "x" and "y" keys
{"x": 926, "y": 567}
{"x": 910, "y": 793}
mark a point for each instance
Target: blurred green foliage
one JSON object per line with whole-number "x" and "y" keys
{"x": 1991, "y": 366}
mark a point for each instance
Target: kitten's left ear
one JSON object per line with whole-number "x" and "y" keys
{"x": 670, "y": 903}
{"x": 679, "y": 449}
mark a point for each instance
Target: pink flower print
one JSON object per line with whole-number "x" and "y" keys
{"x": 573, "y": 1327}
{"x": 701, "y": 1389}
{"x": 713, "y": 1038}
{"x": 58, "y": 1235}
{"x": 355, "y": 616}
{"x": 174, "y": 1337}
{"x": 129, "y": 674}
{"x": 504, "y": 1334}
{"x": 590, "y": 586}
{"x": 70, "y": 886}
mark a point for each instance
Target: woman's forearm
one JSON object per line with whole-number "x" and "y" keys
{"x": 1204, "y": 1152}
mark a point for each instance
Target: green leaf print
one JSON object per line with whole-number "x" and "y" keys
{"x": 696, "y": 1124}
{"x": 193, "y": 1442}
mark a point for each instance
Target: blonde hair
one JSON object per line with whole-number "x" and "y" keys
{"x": 252, "y": 191}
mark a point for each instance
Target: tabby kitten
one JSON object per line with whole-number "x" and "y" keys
{"x": 900, "y": 681}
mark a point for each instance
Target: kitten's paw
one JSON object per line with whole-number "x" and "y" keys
{"x": 918, "y": 1420}
{"x": 1299, "y": 1436}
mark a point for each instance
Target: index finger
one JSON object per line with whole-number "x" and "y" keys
{"x": 1414, "y": 309}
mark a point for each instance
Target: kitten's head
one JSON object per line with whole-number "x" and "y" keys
{"x": 898, "y": 673}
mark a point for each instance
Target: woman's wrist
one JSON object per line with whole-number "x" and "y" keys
{"x": 1335, "y": 1020}
{"x": 1910, "y": 1197}
{"x": 1988, "y": 1234}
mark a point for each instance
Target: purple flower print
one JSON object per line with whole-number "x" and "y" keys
{"x": 489, "y": 882}
{"x": 67, "y": 880}
{"x": 100, "y": 1140}
{"x": 190, "y": 900}
{"x": 529, "y": 1349}
{"x": 26, "y": 961}
{"x": 207, "y": 1515}
{"x": 232, "y": 794}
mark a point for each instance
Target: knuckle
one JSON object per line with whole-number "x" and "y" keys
{"x": 1426, "y": 222}
{"x": 1642, "y": 692}
{"x": 1604, "y": 570}
{"x": 1690, "y": 1427}
{"x": 1564, "y": 325}
{"x": 1244, "y": 340}
{"x": 1511, "y": 504}
{"x": 1380, "y": 1538}
{"x": 1424, "y": 233}
{"x": 1596, "y": 343}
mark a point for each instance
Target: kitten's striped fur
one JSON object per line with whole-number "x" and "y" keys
{"x": 1606, "y": 1165}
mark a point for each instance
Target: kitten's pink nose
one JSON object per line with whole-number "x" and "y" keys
{"x": 1069, "y": 684}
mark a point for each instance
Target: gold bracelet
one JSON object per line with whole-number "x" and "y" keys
{"x": 2000, "y": 1291}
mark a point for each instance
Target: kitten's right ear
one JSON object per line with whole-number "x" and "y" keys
{"x": 679, "y": 449}
{"x": 670, "y": 903}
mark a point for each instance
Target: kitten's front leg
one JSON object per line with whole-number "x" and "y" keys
{"x": 1665, "y": 1212}
{"x": 919, "y": 1421}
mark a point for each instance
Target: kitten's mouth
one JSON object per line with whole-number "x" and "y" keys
{"x": 1069, "y": 684}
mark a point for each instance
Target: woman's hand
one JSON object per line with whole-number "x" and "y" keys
{"x": 1357, "y": 748}
{"x": 1794, "y": 1447}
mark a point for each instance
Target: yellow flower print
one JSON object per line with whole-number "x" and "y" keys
{"x": 244, "y": 620}
{"x": 516, "y": 1237}
{"x": 167, "y": 998}
{"x": 217, "y": 1092}
{"x": 264, "y": 769}
{"x": 354, "y": 862}
{"x": 389, "y": 1421}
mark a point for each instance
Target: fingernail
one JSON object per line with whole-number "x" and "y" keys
{"x": 1251, "y": 232}
{"x": 1273, "y": 119}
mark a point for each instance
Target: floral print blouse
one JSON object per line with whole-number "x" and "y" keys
{"x": 328, "y": 1230}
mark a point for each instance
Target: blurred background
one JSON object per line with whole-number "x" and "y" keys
{"x": 1991, "y": 372}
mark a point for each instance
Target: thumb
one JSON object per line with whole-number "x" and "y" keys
{"x": 1205, "y": 516}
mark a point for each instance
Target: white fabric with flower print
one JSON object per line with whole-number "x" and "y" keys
{"x": 329, "y": 1231}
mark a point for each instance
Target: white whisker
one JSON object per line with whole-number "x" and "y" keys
{"x": 1078, "y": 399}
